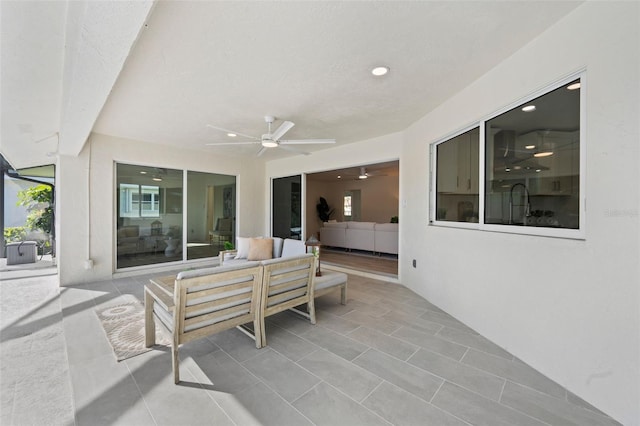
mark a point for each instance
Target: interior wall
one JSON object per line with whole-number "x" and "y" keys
{"x": 86, "y": 191}
{"x": 379, "y": 199}
{"x": 569, "y": 308}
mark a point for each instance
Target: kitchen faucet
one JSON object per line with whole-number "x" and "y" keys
{"x": 527, "y": 205}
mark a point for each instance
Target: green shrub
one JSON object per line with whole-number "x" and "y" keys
{"x": 39, "y": 203}
{"x": 17, "y": 233}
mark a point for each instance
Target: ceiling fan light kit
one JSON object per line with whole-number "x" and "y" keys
{"x": 272, "y": 139}
{"x": 380, "y": 71}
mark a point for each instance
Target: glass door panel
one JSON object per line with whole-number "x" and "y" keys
{"x": 148, "y": 215}
{"x": 211, "y": 213}
{"x": 287, "y": 207}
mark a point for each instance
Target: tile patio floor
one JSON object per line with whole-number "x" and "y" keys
{"x": 388, "y": 357}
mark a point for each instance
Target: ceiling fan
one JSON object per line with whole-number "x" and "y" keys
{"x": 363, "y": 174}
{"x": 272, "y": 140}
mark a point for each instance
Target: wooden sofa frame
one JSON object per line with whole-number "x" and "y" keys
{"x": 206, "y": 301}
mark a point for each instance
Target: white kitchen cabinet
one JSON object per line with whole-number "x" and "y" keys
{"x": 558, "y": 185}
{"x": 458, "y": 166}
{"x": 447, "y": 180}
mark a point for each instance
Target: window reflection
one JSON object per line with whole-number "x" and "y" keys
{"x": 287, "y": 207}
{"x": 533, "y": 162}
{"x": 150, "y": 215}
{"x": 457, "y": 178}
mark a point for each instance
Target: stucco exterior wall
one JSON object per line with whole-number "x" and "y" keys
{"x": 87, "y": 191}
{"x": 568, "y": 307}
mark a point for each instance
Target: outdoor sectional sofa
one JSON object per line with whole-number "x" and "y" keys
{"x": 282, "y": 248}
{"x": 201, "y": 302}
{"x": 369, "y": 236}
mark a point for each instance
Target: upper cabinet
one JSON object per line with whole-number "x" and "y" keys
{"x": 458, "y": 164}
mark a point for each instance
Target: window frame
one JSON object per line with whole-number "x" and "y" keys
{"x": 134, "y": 190}
{"x": 565, "y": 233}
{"x": 344, "y": 205}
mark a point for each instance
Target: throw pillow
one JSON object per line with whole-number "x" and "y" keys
{"x": 243, "y": 247}
{"x": 260, "y": 249}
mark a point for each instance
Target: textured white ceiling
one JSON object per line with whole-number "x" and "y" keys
{"x": 229, "y": 63}
{"x": 59, "y": 60}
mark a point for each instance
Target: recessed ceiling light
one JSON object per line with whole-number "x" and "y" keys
{"x": 538, "y": 170}
{"x": 574, "y": 86}
{"x": 143, "y": 172}
{"x": 529, "y": 146}
{"x": 231, "y": 135}
{"x": 339, "y": 177}
{"x": 543, "y": 154}
{"x": 157, "y": 179}
{"x": 379, "y": 71}
{"x": 529, "y": 108}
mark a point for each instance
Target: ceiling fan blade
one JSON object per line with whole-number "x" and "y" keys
{"x": 262, "y": 151}
{"x": 306, "y": 141}
{"x": 232, "y": 143}
{"x": 231, "y": 131}
{"x": 297, "y": 151}
{"x": 284, "y": 128}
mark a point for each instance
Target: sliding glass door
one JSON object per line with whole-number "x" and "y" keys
{"x": 286, "y": 201}
{"x": 154, "y": 224}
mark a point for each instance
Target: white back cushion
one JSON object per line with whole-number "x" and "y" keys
{"x": 277, "y": 246}
{"x": 292, "y": 248}
{"x": 243, "y": 247}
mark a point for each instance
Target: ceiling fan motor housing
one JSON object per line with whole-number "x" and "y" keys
{"x": 267, "y": 142}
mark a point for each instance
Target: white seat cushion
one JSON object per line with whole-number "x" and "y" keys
{"x": 329, "y": 279}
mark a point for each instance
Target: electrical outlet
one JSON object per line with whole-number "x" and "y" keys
{"x": 414, "y": 263}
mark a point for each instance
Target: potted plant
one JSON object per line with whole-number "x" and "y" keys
{"x": 324, "y": 211}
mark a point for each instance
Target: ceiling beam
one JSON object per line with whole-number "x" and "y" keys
{"x": 99, "y": 38}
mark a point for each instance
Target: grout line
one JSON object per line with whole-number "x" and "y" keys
{"x": 522, "y": 412}
{"x": 374, "y": 389}
{"x": 436, "y": 392}
{"x": 144, "y": 400}
{"x": 504, "y": 384}
{"x": 464, "y": 354}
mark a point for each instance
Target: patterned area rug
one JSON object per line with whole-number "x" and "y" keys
{"x": 124, "y": 325}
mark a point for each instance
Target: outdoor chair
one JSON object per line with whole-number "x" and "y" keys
{"x": 287, "y": 283}
{"x": 204, "y": 302}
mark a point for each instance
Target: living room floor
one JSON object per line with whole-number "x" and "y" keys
{"x": 365, "y": 261}
{"x": 387, "y": 357}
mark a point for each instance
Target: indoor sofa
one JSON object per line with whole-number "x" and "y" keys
{"x": 368, "y": 236}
